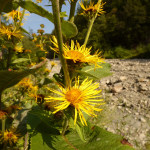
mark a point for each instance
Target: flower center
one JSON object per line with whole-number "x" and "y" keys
{"x": 75, "y": 54}
{"x": 73, "y": 96}
{"x": 9, "y": 135}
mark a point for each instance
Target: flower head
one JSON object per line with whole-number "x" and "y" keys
{"x": 53, "y": 64}
{"x": 82, "y": 97}
{"x": 28, "y": 51}
{"x": 15, "y": 15}
{"x": 7, "y": 31}
{"x": 10, "y": 136}
{"x": 18, "y": 47}
{"x": 92, "y": 9}
{"x": 78, "y": 54}
{"x": 26, "y": 85}
{"x": 39, "y": 1}
{"x": 3, "y": 114}
{"x": 47, "y": 70}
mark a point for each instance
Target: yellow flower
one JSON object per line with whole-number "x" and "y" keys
{"x": 79, "y": 53}
{"x": 15, "y": 14}
{"x": 82, "y": 97}
{"x": 92, "y": 9}
{"x": 34, "y": 40}
{"x": 13, "y": 107}
{"x": 28, "y": 51}
{"x": 3, "y": 114}
{"x": 10, "y": 136}
{"x": 7, "y": 31}
{"x": 47, "y": 70}
{"x": 53, "y": 64}
{"x": 39, "y": 98}
{"x": 18, "y": 47}
{"x": 26, "y": 85}
{"x": 39, "y": 1}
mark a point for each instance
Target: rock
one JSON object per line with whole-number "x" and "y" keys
{"x": 142, "y": 120}
{"x": 116, "y": 89}
{"x": 143, "y": 87}
{"x": 142, "y": 80}
{"x": 122, "y": 78}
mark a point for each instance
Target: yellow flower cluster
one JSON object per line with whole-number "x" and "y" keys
{"x": 7, "y": 31}
{"x": 26, "y": 85}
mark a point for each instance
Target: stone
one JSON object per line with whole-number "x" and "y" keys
{"x": 116, "y": 89}
{"x": 142, "y": 120}
{"x": 122, "y": 78}
{"x": 142, "y": 80}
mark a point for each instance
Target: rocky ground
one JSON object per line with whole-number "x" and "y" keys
{"x": 127, "y": 97}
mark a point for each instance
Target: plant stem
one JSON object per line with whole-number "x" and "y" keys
{"x": 8, "y": 58}
{"x": 56, "y": 15}
{"x": 3, "y": 126}
{"x": 72, "y": 10}
{"x": 64, "y": 127}
{"x": 0, "y": 99}
{"x": 91, "y": 24}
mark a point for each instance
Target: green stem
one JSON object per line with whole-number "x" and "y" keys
{"x": 23, "y": 12}
{"x": 56, "y": 15}
{"x": 3, "y": 126}
{"x": 64, "y": 127}
{"x": 91, "y": 24}
{"x": 72, "y": 10}
{"x": 8, "y": 58}
{"x": 0, "y": 99}
{"x": 29, "y": 58}
{"x": 40, "y": 106}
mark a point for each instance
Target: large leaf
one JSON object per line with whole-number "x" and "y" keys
{"x": 45, "y": 117}
{"x": 97, "y": 73}
{"x": 19, "y": 60}
{"x": 97, "y": 139}
{"x": 69, "y": 29}
{"x": 10, "y": 78}
{"x": 7, "y": 5}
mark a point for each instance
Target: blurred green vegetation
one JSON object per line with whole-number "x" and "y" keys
{"x": 122, "y": 32}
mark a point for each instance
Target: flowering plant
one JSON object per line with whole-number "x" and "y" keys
{"x": 60, "y": 106}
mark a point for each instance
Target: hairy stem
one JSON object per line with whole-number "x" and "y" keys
{"x": 56, "y": 15}
{"x": 64, "y": 127}
{"x": 3, "y": 126}
{"x": 91, "y": 24}
{"x": 72, "y": 10}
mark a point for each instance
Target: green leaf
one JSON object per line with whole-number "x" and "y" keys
{"x": 78, "y": 126}
{"x": 40, "y": 54}
{"x": 19, "y": 60}
{"x": 10, "y": 78}
{"x": 47, "y": 118}
{"x": 35, "y": 8}
{"x": 63, "y": 14}
{"x": 69, "y": 29}
{"x": 97, "y": 139}
{"x": 23, "y": 30}
{"x": 8, "y": 44}
{"x": 45, "y": 81}
{"x": 6, "y": 6}
{"x": 32, "y": 122}
{"x": 98, "y": 73}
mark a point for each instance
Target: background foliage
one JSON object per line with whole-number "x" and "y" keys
{"x": 120, "y": 31}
